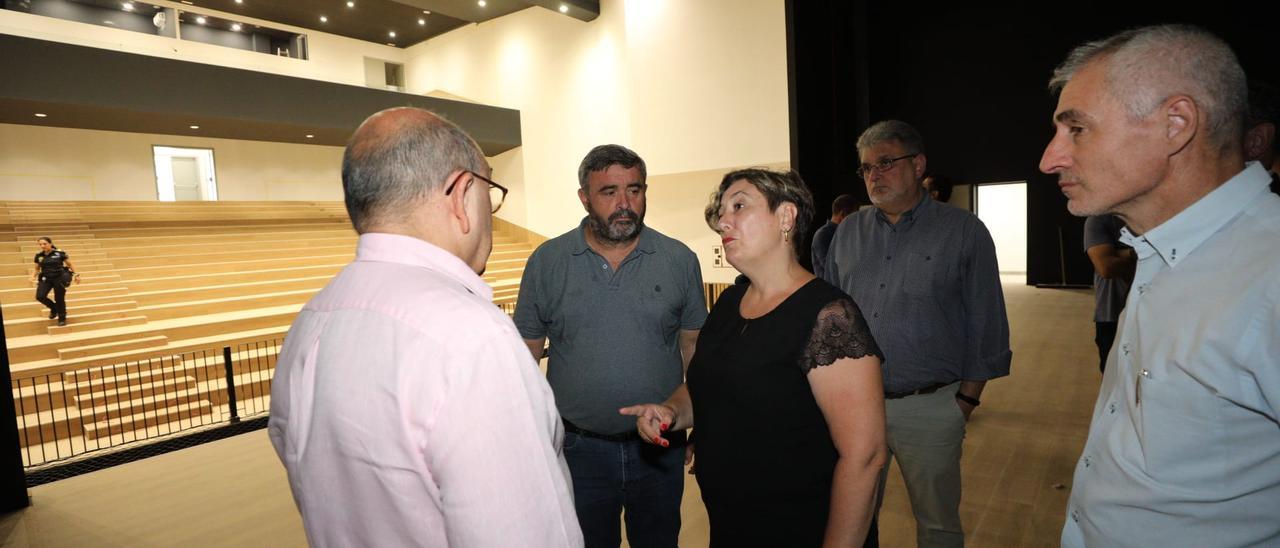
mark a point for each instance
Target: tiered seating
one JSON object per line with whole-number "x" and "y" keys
{"x": 161, "y": 279}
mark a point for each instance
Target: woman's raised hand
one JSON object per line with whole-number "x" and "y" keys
{"x": 652, "y": 419}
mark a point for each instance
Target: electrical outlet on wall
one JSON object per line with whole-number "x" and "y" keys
{"x": 717, "y": 257}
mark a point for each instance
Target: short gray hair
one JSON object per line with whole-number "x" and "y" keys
{"x": 603, "y": 156}
{"x": 397, "y": 157}
{"x": 892, "y": 130}
{"x": 1147, "y": 65}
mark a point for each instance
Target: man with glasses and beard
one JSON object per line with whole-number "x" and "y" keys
{"x": 622, "y": 305}
{"x": 925, "y": 276}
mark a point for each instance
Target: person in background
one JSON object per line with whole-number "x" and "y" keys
{"x": 841, "y": 207}
{"x": 1113, "y": 264}
{"x": 55, "y": 272}
{"x": 1260, "y": 141}
{"x": 939, "y": 187}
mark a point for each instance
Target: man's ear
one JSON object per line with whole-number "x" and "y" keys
{"x": 456, "y": 201}
{"x": 1180, "y": 120}
{"x": 920, "y": 162}
{"x": 586, "y": 200}
{"x": 1258, "y": 139}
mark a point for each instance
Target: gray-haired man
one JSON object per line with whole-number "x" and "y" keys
{"x": 926, "y": 279}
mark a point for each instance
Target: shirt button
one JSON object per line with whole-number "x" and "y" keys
{"x": 875, "y": 315}
{"x": 1125, "y": 347}
{"x": 1146, "y": 373}
{"x": 1142, "y": 289}
{"x": 1075, "y": 516}
{"x": 1087, "y": 462}
{"x": 1112, "y": 408}
{"x": 604, "y": 267}
{"x": 881, "y": 286}
{"x": 888, "y": 257}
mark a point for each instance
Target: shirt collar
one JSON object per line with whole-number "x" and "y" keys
{"x": 406, "y": 250}
{"x": 646, "y": 244}
{"x": 909, "y": 216}
{"x": 1177, "y": 237}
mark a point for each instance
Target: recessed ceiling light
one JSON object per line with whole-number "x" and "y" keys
{"x": 310, "y": 136}
{"x": 564, "y": 8}
{"x": 482, "y": 3}
{"x": 187, "y": 2}
{"x": 239, "y": 1}
{"x": 391, "y": 44}
{"x": 194, "y": 127}
{"x": 128, "y": 6}
{"x": 392, "y": 34}
{"x": 41, "y": 115}
{"x": 235, "y": 27}
{"x": 324, "y": 19}
{"x": 200, "y": 20}
{"x": 426, "y": 12}
{"x": 422, "y": 21}
{"x": 351, "y": 4}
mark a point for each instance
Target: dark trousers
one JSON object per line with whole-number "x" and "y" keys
{"x": 644, "y": 479}
{"x": 1104, "y": 336}
{"x": 59, "y": 304}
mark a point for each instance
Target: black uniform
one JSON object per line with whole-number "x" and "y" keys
{"x": 54, "y": 275}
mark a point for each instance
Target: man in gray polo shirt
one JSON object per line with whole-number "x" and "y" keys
{"x": 622, "y": 305}
{"x": 925, "y": 276}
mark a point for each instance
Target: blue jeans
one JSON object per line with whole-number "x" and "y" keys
{"x": 646, "y": 480}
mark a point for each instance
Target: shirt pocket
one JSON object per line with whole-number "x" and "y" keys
{"x": 924, "y": 274}
{"x": 1182, "y": 435}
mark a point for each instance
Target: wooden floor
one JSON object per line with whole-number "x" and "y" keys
{"x": 1018, "y": 460}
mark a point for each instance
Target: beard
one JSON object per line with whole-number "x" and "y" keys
{"x": 622, "y": 226}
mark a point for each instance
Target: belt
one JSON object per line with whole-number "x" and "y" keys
{"x": 926, "y": 390}
{"x": 630, "y": 435}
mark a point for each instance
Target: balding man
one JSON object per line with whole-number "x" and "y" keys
{"x": 1184, "y": 446}
{"x": 405, "y": 407}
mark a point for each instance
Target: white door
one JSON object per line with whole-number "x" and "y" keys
{"x": 1003, "y": 208}
{"x": 186, "y": 179}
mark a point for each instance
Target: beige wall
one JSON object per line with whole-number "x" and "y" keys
{"x": 332, "y": 58}
{"x": 697, "y": 88}
{"x": 44, "y": 163}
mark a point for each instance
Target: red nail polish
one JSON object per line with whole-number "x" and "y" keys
{"x": 663, "y": 426}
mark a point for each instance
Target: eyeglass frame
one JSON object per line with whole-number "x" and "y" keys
{"x": 882, "y": 166}
{"x": 492, "y": 184}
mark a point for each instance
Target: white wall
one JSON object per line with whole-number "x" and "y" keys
{"x": 697, "y": 88}
{"x": 47, "y": 163}
{"x": 332, "y": 58}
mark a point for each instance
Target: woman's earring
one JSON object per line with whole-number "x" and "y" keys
{"x": 786, "y": 235}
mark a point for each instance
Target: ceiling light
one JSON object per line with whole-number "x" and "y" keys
{"x": 128, "y": 6}
{"x": 392, "y": 44}
{"x": 392, "y": 34}
{"x": 235, "y": 27}
{"x": 187, "y": 2}
{"x": 310, "y": 136}
{"x": 239, "y": 1}
{"x": 200, "y": 20}
{"x": 351, "y": 4}
{"x": 564, "y": 8}
{"x": 481, "y": 3}
{"x": 324, "y": 19}
{"x": 41, "y": 115}
{"x": 422, "y": 21}
{"x": 426, "y": 12}
{"x": 194, "y": 127}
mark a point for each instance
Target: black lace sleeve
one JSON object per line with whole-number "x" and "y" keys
{"x": 839, "y": 332}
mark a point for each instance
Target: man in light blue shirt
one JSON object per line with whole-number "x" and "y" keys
{"x": 1184, "y": 445}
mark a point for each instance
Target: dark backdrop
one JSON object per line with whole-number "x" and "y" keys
{"x": 972, "y": 79}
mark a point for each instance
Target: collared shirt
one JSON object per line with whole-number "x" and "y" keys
{"x": 929, "y": 289}
{"x": 614, "y": 334}
{"x": 821, "y": 243}
{"x": 1109, "y": 294}
{"x": 408, "y": 412}
{"x": 1184, "y": 446}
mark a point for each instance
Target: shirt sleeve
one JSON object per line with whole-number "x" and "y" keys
{"x": 831, "y": 270}
{"x": 1096, "y": 233}
{"x": 695, "y": 303}
{"x": 839, "y": 332}
{"x": 987, "y": 354}
{"x": 492, "y": 452}
{"x": 818, "y": 250}
{"x": 530, "y": 317}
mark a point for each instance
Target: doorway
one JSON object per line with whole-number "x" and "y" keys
{"x": 1003, "y": 208}
{"x": 185, "y": 174}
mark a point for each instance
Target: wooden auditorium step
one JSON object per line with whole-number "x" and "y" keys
{"x": 75, "y": 308}
{"x": 302, "y": 280}
{"x": 132, "y": 268}
{"x": 83, "y": 290}
{"x": 93, "y": 394}
{"x": 195, "y": 281}
{"x": 177, "y": 410}
{"x": 234, "y": 241}
{"x": 112, "y": 347}
{"x": 76, "y": 325}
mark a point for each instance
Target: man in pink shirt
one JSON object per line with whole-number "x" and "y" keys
{"x": 405, "y": 406}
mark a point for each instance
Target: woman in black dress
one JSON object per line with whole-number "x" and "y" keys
{"x": 54, "y": 272}
{"x": 784, "y": 385}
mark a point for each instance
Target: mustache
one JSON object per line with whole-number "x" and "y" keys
{"x": 623, "y": 213}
